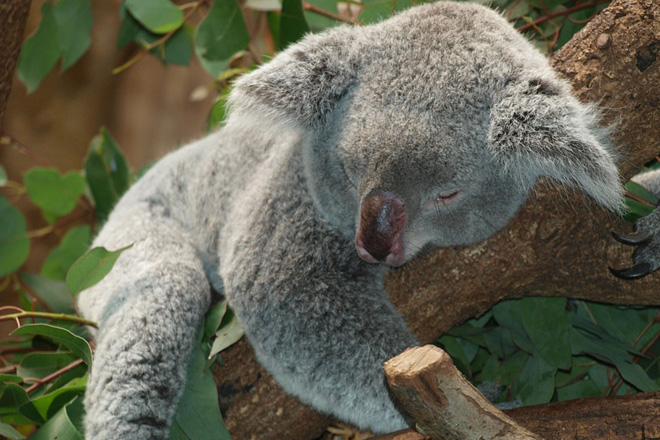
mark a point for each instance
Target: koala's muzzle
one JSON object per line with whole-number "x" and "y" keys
{"x": 380, "y": 235}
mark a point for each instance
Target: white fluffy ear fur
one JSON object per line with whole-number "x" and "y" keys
{"x": 538, "y": 129}
{"x": 305, "y": 82}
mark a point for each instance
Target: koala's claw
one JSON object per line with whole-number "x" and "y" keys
{"x": 646, "y": 238}
{"x": 639, "y": 270}
{"x": 633, "y": 239}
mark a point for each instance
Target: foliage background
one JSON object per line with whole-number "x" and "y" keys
{"x": 536, "y": 348}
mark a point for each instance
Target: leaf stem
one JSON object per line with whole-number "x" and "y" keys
{"x": 147, "y": 47}
{"x": 565, "y": 12}
{"x": 54, "y": 375}
{"x": 315, "y": 9}
{"x": 46, "y": 315}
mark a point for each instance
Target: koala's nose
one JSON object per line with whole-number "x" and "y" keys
{"x": 380, "y": 235}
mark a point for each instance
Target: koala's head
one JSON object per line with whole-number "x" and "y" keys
{"x": 429, "y": 129}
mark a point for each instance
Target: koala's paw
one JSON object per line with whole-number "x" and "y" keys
{"x": 646, "y": 256}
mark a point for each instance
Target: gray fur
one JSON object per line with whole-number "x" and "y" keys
{"x": 441, "y": 98}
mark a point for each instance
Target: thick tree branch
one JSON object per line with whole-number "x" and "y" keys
{"x": 558, "y": 245}
{"x": 13, "y": 16}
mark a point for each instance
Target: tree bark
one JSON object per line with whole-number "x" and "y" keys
{"x": 614, "y": 418}
{"x": 13, "y": 16}
{"x": 559, "y": 244}
{"x": 442, "y": 402}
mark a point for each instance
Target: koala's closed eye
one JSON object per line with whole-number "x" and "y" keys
{"x": 445, "y": 198}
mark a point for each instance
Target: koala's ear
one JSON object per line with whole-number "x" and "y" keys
{"x": 306, "y": 81}
{"x": 539, "y": 129}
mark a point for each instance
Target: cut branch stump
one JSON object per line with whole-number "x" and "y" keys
{"x": 442, "y": 403}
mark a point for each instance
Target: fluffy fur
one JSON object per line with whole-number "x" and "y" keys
{"x": 440, "y": 120}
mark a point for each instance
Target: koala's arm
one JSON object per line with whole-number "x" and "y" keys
{"x": 646, "y": 237}
{"x": 149, "y": 309}
{"x": 317, "y": 316}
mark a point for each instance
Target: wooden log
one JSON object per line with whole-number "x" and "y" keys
{"x": 443, "y": 404}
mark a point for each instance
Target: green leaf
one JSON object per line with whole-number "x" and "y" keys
{"x": 73, "y": 245}
{"x": 537, "y": 381}
{"x": 546, "y": 323}
{"x": 15, "y": 402}
{"x": 455, "y": 350}
{"x": 178, "y": 48}
{"x": 65, "y": 425}
{"x": 14, "y": 243}
{"x": 218, "y": 111}
{"x": 293, "y": 25}
{"x": 40, "y": 365}
{"x": 159, "y": 16}
{"x": 509, "y": 315}
{"x": 61, "y": 336}
{"x": 512, "y": 367}
{"x": 578, "y": 390}
{"x": 318, "y": 22}
{"x": 74, "y": 20}
{"x": 51, "y": 403}
{"x": 40, "y": 52}
{"x": 221, "y": 34}
{"x": 375, "y": 11}
{"x": 91, "y": 268}
{"x": 198, "y": 415}
{"x": 9, "y": 432}
{"x": 585, "y": 343}
{"x": 8, "y": 378}
{"x": 53, "y": 292}
{"x": 3, "y": 176}
{"x": 229, "y": 333}
{"x": 130, "y": 27}
{"x": 54, "y": 193}
{"x": 491, "y": 370}
{"x": 213, "y": 319}
{"x": 107, "y": 173}
{"x": 637, "y": 209}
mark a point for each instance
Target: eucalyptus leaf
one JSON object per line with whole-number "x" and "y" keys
{"x": 578, "y": 390}
{"x": 546, "y": 322}
{"x": 51, "y": 403}
{"x": 159, "y": 16}
{"x": 40, "y": 51}
{"x": 130, "y": 27}
{"x": 72, "y": 246}
{"x": 293, "y": 25}
{"x": 14, "y": 243}
{"x": 107, "y": 173}
{"x": 53, "y": 292}
{"x": 222, "y": 33}
{"x": 178, "y": 49}
{"x": 61, "y": 336}
{"x": 54, "y": 193}
{"x": 537, "y": 381}
{"x": 229, "y": 333}
{"x": 74, "y": 22}
{"x": 91, "y": 268}
{"x": 9, "y": 432}
{"x": 65, "y": 425}
{"x": 39, "y": 365}
{"x": 198, "y": 416}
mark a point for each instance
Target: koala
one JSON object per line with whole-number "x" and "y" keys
{"x": 351, "y": 151}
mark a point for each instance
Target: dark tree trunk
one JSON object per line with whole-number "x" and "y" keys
{"x": 13, "y": 16}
